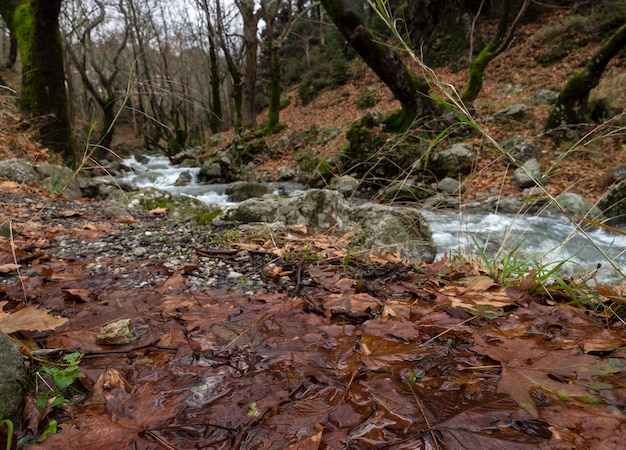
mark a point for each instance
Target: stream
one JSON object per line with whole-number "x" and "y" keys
{"x": 543, "y": 241}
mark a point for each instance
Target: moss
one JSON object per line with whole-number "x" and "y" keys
{"x": 205, "y": 218}
{"x": 367, "y": 100}
{"x": 35, "y": 27}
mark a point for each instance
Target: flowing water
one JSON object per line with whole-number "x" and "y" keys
{"x": 543, "y": 241}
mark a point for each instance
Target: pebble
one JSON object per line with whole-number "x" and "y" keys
{"x": 148, "y": 243}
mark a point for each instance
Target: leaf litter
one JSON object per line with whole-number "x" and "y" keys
{"x": 365, "y": 355}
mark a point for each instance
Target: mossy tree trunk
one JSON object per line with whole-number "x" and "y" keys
{"x": 571, "y": 104}
{"x": 35, "y": 25}
{"x": 497, "y": 45}
{"x": 410, "y": 90}
{"x": 273, "y": 115}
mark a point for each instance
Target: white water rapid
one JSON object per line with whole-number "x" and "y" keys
{"x": 543, "y": 241}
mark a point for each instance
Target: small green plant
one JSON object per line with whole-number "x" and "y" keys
{"x": 63, "y": 378}
{"x": 8, "y": 424}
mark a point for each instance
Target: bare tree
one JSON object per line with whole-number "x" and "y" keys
{"x": 275, "y": 37}
{"x": 98, "y": 65}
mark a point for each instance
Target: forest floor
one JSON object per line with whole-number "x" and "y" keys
{"x": 233, "y": 341}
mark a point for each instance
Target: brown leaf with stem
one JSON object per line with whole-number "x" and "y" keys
{"x": 525, "y": 367}
{"x": 29, "y": 318}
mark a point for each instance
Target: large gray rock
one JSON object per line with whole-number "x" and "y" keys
{"x": 515, "y": 112}
{"x": 546, "y": 97}
{"x": 576, "y": 205}
{"x": 393, "y": 229}
{"x": 459, "y": 159}
{"x": 104, "y": 187}
{"x": 378, "y": 228}
{"x": 243, "y": 190}
{"x": 178, "y": 207}
{"x": 59, "y": 179}
{"x": 519, "y": 148}
{"x": 13, "y": 379}
{"x": 319, "y": 209}
{"x": 345, "y": 184}
{"x": 406, "y": 190}
{"x": 613, "y": 203}
{"x": 19, "y": 170}
{"x": 528, "y": 174}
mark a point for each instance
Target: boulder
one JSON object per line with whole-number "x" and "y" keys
{"x": 184, "y": 179}
{"x": 528, "y": 174}
{"x": 394, "y": 229}
{"x": 450, "y": 186}
{"x": 243, "y": 190}
{"x": 613, "y": 203}
{"x": 519, "y": 148}
{"x": 576, "y": 205}
{"x": 13, "y": 379}
{"x": 59, "y": 179}
{"x": 515, "y": 112}
{"x": 177, "y": 207}
{"x": 546, "y": 97}
{"x": 320, "y": 210}
{"x": 459, "y": 159}
{"x": 406, "y": 190}
{"x": 104, "y": 187}
{"x": 19, "y": 170}
{"x": 377, "y": 228}
{"x": 345, "y": 184}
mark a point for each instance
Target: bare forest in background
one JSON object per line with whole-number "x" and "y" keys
{"x": 171, "y": 75}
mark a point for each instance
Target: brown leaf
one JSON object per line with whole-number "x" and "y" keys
{"x": 8, "y": 268}
{"x": 28, "y": 318}
{"x": 158, "y": 211}
{"x": 79, "y": 295}
{"x": 526, "y": 367}
{"x": 70, "y": 213}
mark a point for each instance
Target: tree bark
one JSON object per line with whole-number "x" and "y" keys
{"x": 215, "y": 115}
{"x": 250, "y": 26}
{"x": 35, "y": 25}
{"x": 499, "y": 43}
{"x": 571, "y": 104}
{"x": 410, "y": 90}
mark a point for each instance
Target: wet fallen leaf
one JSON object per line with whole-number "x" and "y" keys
{"x": 70, "y": 213}
{"x": 8, "y": 268}
{"x": 79, "y": 295}
{"x": 525, "y": 367}
{"x": 158, "y": 211}
{"x": 29, "y": 318}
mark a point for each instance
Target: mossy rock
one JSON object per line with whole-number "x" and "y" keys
{"x": 178, "y": 207}
{"x": 243, "y": 190}
{"x": 313, "y": 169}
{"x": 378, "y": 158}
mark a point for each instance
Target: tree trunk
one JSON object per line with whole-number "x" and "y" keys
{"x": 499, "y": 43}
{"x": 35, "y": 25}
{"x": 571, "y": 105}
{"x": 250, "y": 26}
{"x": 273, "y": 115}
{"x": 410, "y": 90}
{"x": 215, "y": 115}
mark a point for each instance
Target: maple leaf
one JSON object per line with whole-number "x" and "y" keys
{"x": 28, "y": 318}
{"x": 526, "y": 366}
